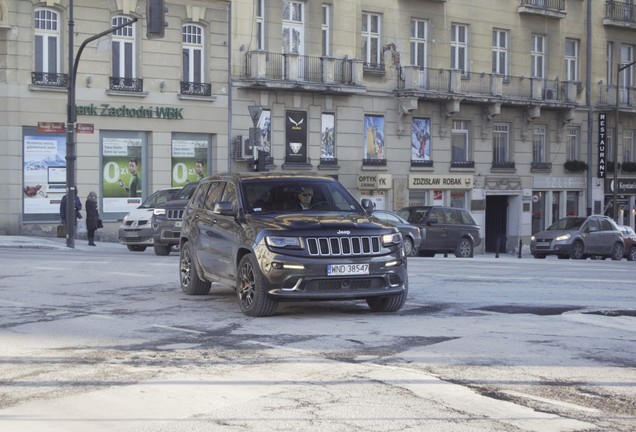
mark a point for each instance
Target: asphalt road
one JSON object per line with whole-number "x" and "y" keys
{"x": 102, "y": 339}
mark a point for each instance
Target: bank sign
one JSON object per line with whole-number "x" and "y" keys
{"x": 108, "y": 110}
{"x": 419, "y": 181}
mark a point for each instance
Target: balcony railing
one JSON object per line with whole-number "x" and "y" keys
{"x": 130, "y": 85}
{"x": 462, "y": 164}
{"x": 262, "y": 65}
{"x": 626, "y": 95}
{"x": 544, "y": 5}
{"x": 196, "y": 89}
{"x": 503, "y": 165}
{"x": 436, "y": 82}
{"x": 620, "y": 11}
{"x": 49, "y": 79}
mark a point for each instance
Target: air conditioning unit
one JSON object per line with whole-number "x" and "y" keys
{"x": 242, "y": 148}
{"x": 549, "y": 94}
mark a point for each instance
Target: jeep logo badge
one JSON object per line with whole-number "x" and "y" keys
{"x": 344, "y": 232}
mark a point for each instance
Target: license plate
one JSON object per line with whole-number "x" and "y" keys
{"x": 543, "y": 243}
{"x": 347, "y": 269}
{"x": 177, "y": 224}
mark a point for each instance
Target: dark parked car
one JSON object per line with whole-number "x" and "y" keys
{"x": 629, "y": 238}
{"x": 578, "y": 238}
{"x": 411, "y": 234}
{"x": 250, "y": 232}
{"x": 444, "y": 229}
{"x": 166, "y": 220}
{"x": 136, "y": 229}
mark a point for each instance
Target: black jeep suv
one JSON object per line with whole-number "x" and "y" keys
{"x": 166, "y": 220}
{"x": 249, "y": 231}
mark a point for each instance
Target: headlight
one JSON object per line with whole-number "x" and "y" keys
{"x": 563, "y": 237}
{"x": 283, "y": 242}
{"x": 159, "y": 212}
{"x": 391, "y": 239}
{"x": 532, "y": 238}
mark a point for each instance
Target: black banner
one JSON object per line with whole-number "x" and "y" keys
{"x": 296, "y": 136}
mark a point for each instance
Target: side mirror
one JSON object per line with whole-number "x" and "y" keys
{"x": 224, "y": 208}
{"x": 367, "y": 205}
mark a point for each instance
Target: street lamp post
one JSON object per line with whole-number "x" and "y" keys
{"x": 619, "y": 69}
{"x": 71, "y": 191}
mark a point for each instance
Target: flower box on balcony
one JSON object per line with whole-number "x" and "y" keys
{"x": 629, "y": 167}
{"x": 575, "y": 166}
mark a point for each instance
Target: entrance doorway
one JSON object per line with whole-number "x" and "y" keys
{"x": 496, "y": 222}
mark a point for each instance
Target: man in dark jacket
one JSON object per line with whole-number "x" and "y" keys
{"x": 78, "y": 207}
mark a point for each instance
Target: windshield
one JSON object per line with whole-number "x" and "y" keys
{"x": 285, "y": 196}
{"x": 186, "y": 192}
{"x": 568, "y": 223}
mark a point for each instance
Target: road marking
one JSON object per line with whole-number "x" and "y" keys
{"x": 177, "y": 329}
{"x": 551, "y": 401}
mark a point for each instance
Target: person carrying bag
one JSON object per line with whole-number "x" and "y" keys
{"x": 93, "y": 221}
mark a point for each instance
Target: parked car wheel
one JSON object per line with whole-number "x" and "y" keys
{"x": 387, "y": 304}
{"x": 618, "y": 250}
{"x": 577, "y": 251}
{"x": 631, "y": 255}
{"x": 464, "y": 248}
{"x": 250, "y": 289}
{"x": 408, "y": 246}
{"x": 136, "y": 248}
{"x": 162, "y": 250}
{"x": 191, "y": 284}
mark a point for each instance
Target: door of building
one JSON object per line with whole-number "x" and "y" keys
{"x": 496, "y": 222}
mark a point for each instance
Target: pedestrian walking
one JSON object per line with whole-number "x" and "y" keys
{"x": 93, "y": 221}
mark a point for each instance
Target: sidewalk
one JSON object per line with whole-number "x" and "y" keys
{"x": 31, "y": 242}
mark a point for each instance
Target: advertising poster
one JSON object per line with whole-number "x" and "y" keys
{"x": 327, "y": 137}
{"x": 296, "y": 134}
{"x": 265, "y": 125}
{"x": 44, "y": 173}
{"x": 189, "y": 161}
{"x": 121, "y": 186}
{"x": 421, "y": 139}
{"x": 374, "y": 137}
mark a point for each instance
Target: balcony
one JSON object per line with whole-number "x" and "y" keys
{"x": 620, "y": 14}
{"x": 48, "y": 79}
{"x": 455, "y": 85}
{"x": 547, "y": 8}
{"x": 276, "y": 71}
{"x": 196, "y": 89}
{"x": 626, "y": 97}
{"x": 126, "y": 85}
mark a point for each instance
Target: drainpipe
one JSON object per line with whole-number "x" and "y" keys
{"x": 229, "y": 85}
{"x": 590, "y": 110}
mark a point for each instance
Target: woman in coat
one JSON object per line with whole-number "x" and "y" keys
{"x": 92, "y": 217}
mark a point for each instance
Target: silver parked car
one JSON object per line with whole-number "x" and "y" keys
{"x": 411, "y": 234}
{"x": 578, "y": 238}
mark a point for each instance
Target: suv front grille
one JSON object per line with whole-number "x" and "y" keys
{"x": 174, "y": 214}
{"x": 343, "y": 246}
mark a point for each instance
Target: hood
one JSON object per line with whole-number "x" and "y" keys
{"x": 553, "y": 233}
{"x": 140, "y": 214}
{"x": 325, "y": 224}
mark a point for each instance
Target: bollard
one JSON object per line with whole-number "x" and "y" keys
{"x": 497, "y": 247}
{"x": 520, "y": 246}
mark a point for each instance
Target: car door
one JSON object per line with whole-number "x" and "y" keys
{"x": 453, "y": 227}
{"x": 207, "y": 234}
{"x": 226, "y": 231}
{"x": 609, "y": 236}
{"x": 436, "y": 230}
{"x": 593, "y": 237}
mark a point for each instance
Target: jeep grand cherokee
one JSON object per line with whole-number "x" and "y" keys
{"x": 247, "y": 231}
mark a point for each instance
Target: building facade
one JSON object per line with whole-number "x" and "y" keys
{"x": 505, "y": 107}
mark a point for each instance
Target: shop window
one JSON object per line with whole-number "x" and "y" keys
{"x": 572, "y": 204}
{"x": 538, "y": 211}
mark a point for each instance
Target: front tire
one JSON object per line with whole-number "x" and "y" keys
{"x": 464, "y": 248}
{"x": 577, "y": 251}
{"x": 189, "y": 279}
{"x": 387, "y": 304}
{"x": 631, "y": 255}
{"x": 250, "y": 289}
{"x": 408, "y": 247}
{"x": 162, "y": 250}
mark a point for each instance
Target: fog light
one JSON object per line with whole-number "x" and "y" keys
{"x": 393, "y": 263}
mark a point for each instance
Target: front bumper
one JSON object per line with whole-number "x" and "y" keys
{"x": 136, "y": 236}
{"x": 167, "y": 232}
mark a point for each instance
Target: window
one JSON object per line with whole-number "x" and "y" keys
{"x": 418, "y": 42}
{"x": 609, "y": 144}
{"x": 500, "y": 52}
{"x": 501, "y": 143}
{"x": 192, "y": 53}
{"x": 628, "y": 146}
{"x": 459, "y": 141}
{"x": 326, "y": 21}
{"x": 47, "y": 41}
{"x": 459, "y": 48}
{"x": 371, "y": 41}
{"x": 609, "y": 62}
{"x": 538, "y": 144}
{"x": 260, "y": 24}
{"x": 293, "y": 27}
{"x": 123, "y": 49}
{"x": 571, "y": 60}
{"x": 626, "y": 75}
{"x": 537, "y": 53}
{"x": 327, "y": 139}
{"x": 572, "y": 144}
{"x": 572, "y": 203}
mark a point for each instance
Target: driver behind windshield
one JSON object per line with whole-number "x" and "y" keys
{"x": 304, "y": 197}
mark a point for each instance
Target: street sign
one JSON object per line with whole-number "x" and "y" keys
{"x": 53, "y": 127}
{"x": 84, "y": 128}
